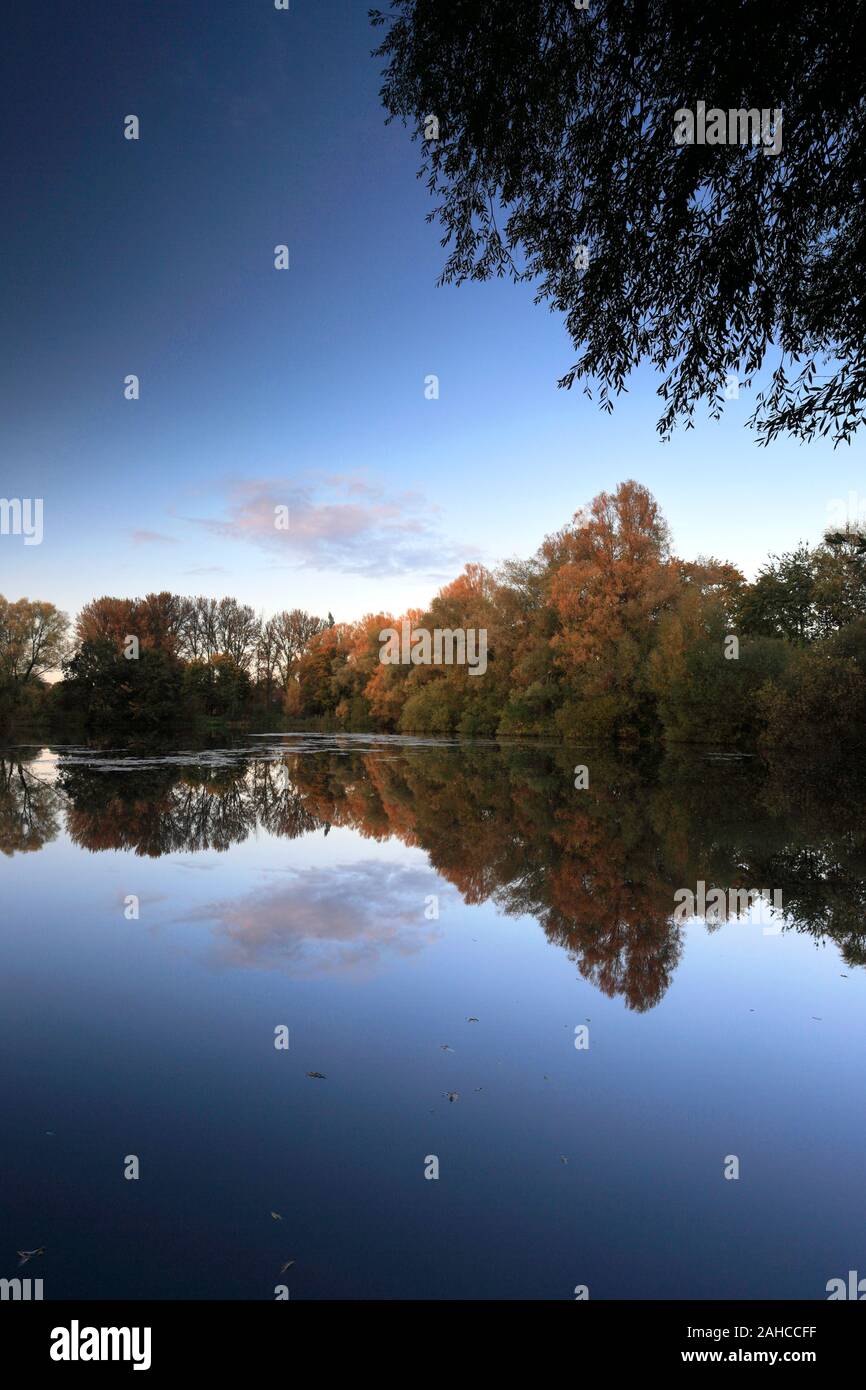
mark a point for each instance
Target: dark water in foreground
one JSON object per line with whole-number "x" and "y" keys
{"x": 294, "y": 882}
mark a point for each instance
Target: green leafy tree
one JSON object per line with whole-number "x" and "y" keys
{"x": 109, "y": 691}
{"x": 781, "y": 602}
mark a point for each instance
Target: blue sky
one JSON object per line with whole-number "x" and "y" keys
{"x": 302, "y": 387}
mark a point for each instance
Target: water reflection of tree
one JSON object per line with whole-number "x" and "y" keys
{"x": 598, "y": 868}
{"x": 29, "y": 808}
{"x": 169, "y": 808}
{"x": 824, "y": 869}
{"x": 514, "y": 829}
{"x": 158, "y": 810}
{"x": 280, "y": 806}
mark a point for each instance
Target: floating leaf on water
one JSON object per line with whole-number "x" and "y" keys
{"x": 317, "y": 1075}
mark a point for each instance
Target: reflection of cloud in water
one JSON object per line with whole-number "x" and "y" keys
{"x": 343, "y": 918}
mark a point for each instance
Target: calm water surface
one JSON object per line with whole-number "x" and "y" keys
{"x": 294, "y": 881}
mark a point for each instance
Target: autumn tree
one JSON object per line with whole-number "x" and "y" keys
{"x": 106, "y": 619}
{"x": 318, "y": 668}
{"x": 282, "y": 640}
{"x": 386, "y": 688}
{"x": 460, "y": 696}
{"x": 357, "y": 680}
{"x": 32, "y": 640}
{"x": 613, "y": 578}
{"x": 528, "y": 624}
{"x": 157, "y": 621}
{"x": 292, "y": 633}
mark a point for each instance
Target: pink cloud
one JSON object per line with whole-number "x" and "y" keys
{"x": 339, "y": 522}
{"x": 153, "y": 538}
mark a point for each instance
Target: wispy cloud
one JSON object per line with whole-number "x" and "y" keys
{"x": 342, "y": 522}
{"x": 153, "y": 538}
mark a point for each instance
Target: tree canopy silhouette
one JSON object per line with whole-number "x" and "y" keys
{"x": 547, "y": 128}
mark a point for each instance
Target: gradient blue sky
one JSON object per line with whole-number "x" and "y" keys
{"x": 303, "y": 387}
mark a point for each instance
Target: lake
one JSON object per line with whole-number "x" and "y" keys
{"x": 532, "y": 1076}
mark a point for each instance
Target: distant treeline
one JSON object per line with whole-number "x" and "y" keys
{"x": 603, "y": 634}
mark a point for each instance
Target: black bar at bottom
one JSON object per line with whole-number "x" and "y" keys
{"x": 280, "y": 1338}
